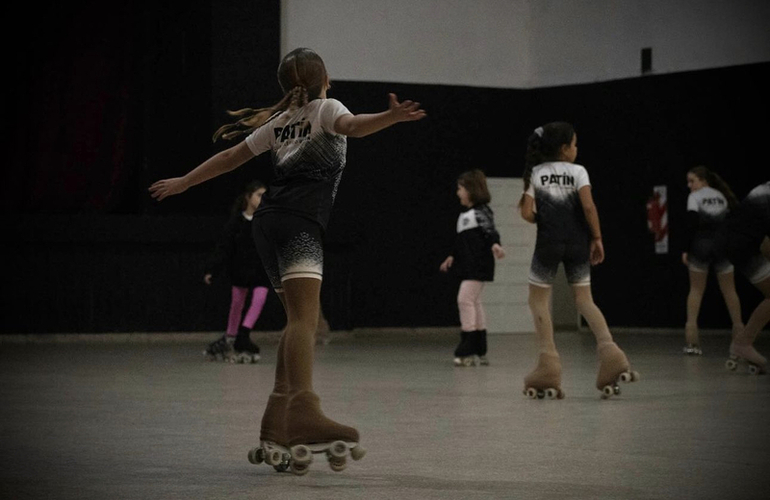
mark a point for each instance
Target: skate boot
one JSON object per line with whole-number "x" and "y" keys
{"x": 481, "y": 347}
{"x": 310, "y": 432}
{"x": 272, "y": 447}
{"x": 465, "y": 353}
{"x": 545, "y": 379}
{"x": 244, "y": 350}
{"x": 692, "y": 350}
{"x": 746, "y": 352}
{"x": 613, "y": 367}
{"x": 220, "y": 349}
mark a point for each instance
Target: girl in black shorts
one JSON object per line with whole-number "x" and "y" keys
{"x": 557, "y": 197}
{"x": 306, "y": 135}
{"x": 708, "y": 205}
{"x": 744, "y": 239}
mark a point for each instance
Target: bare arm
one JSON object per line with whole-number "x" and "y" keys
{"x": 592, "y": 217}
{"x": 527, "y": 208}
{"x": 220, "y": 163}
{"x": 365, "y": 124}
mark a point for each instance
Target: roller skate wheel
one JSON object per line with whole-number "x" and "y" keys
{"x": 531, "y": 393}
{"x": 731, "y": 364}
{"x": 551, "y": 393}
{"x": 301, "y": 455}
{"x": 256, "y": 456}
{"x": 357, "y": 453}
{"x": 273, "y": 457}
{"x": 338, "y": 464}
{"x": 608, "y": 391}
{"x": 282, "y": 467}
{"x": 338, "y": 449}
{"x": 299, "y": 469}
{"x": 753, "y": 369}
{"x": 626, "y": 377}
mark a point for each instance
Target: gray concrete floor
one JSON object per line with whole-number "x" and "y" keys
{"x": 144, "y": 420}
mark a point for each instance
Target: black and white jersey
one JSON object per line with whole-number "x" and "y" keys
{"x": 710, "y": 205}
{"x": 559, "y": 213}
{"x": 308, "y": 159}
{"x": 472, "y": 251}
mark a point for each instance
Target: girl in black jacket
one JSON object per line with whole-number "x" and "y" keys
{"x": 236, "y": 257}
{"x": 472, "y": 259}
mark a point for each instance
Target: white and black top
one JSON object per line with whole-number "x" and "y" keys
{"x": 707, "y": 209}
{"x": 751, "y": 222}
{"x": 472, "y": 251}
{"x": 559, "y": 213}
{"x": 308, "y": 159}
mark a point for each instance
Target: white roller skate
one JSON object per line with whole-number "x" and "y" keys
{"x": 746, "y": 353}
{"x": 692, "y": 350}
{"x": 545, "y": 380}
{"x": 613, "y": 368}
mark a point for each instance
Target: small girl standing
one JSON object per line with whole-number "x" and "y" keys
{"x": 557, "y": 197}
{"x": 472, "y": 259}
{"x": 236, "y": 255}
{"x": 708, "y": 205}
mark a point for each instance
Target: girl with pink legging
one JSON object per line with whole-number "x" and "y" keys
{"x": 236, "y": 256}
{"x": 473, "y": 261}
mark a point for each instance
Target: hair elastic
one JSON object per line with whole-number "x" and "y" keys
{"x": 539, "y": 131}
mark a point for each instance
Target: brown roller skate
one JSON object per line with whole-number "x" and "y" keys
{"x": 613, "y": 367}
{"x": 746, "y": 352}
{"x": 545, "y": 379}
{"x": 272, "y": 447}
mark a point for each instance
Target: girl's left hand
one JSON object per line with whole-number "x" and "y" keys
{"x": 498, "y": 251}
{"x": 167, "y": 187}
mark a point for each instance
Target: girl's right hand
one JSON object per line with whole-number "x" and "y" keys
{"x": 207, "y": 278}
{"x": 685, "y": 260}
{"x": 167, "y": 187}
{"x": 446, "y": 264}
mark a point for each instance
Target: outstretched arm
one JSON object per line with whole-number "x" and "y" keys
{"x": 368, "y": 123}
{"x": 220, "y": 163}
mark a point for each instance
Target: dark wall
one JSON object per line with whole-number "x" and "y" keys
{"x": 89, "y": 251}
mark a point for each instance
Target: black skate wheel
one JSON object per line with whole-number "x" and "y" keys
{"x": 282, "y": 467}
{"x": 256, "y": 456}
{"x": 616, "y": 390}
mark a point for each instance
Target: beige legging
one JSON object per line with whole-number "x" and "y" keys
{"x": 540, "y": 305}
{"x": 472, "y": 315}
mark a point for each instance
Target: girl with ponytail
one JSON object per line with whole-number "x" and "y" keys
{"x": 306, "y": 134}
{"x": 708, "y": 205}
{"x": 557, "y": 197}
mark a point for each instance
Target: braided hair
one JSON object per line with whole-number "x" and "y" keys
{"x": 302, "y": 76}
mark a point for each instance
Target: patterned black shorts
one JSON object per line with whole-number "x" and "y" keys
{"x": 290, "y": 247}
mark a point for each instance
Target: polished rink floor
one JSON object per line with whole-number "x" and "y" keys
{"x": 152, "y": 420}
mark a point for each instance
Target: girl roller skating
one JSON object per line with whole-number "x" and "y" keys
{"x": 236, "y": 256}
{"x": 708, "y": 205}
{"x": 306, "y": 134}
{"x": 557, "y": 197}
{"x": 473, "y": 261}
{"x": 744, "y": 237}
